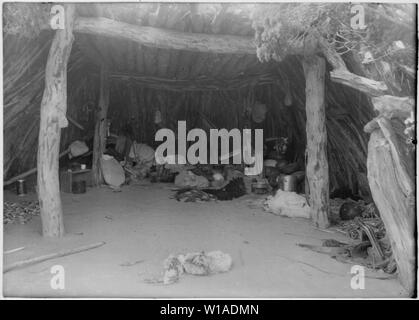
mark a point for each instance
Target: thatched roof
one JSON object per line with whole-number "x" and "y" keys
{"x": 200, "y": 87}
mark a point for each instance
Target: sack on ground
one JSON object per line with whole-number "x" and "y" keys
{"x": 289, "y": 204}
{"x": 112, "y": 171}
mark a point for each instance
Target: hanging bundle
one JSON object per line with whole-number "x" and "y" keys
{"x": 157, "y": 117}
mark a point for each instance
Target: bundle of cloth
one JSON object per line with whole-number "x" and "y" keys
{"x": 187, "y": 179}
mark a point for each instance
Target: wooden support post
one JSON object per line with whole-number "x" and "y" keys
{"x": 99, "y": 140}
{"x": 134, "y": 112}
{"x": 52, "y": 119}
{"x": 317, "y": 170}
{"x": 391, "y": 180}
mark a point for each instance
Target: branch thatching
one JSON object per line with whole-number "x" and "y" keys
{"x": 201, "y": 84}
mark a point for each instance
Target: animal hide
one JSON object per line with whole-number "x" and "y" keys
{"x": 197, "y": 263}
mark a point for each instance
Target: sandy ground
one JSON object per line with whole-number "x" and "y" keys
{"x": 142, "y": 226}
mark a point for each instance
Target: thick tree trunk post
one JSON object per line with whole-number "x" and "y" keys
{"x": 99, "y": 140}
{"x": 317, "y": 167}
{"x": 391, "y": 179}
{"x": 52, "y": 119}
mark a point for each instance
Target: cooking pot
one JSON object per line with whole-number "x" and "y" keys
{"x": 287, "y": 182}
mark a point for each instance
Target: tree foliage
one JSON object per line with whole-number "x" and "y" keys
{"x": 386, "y": 47}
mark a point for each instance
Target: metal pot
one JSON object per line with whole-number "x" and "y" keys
{"x": 287, "y": 182}
{"x": 21, "y": 187}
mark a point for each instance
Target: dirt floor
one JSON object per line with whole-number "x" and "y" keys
{"x": 141, "y": 226}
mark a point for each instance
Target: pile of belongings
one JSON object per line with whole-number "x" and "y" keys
{"x": 173, "y": 163}
{"x": 142, "y": 157}
{"x": 343, "y": 213}
{"x": 193, "y": 195}
{"x": 187, "y": 179}
{"x": 361, "y": 223}
{"x": 197, "y": 263}
{"x": 229, "y": 191}
{"x": 21, "y": 212}
{"x": 168, "y": 167}
{"x": 373, "y": 253}
{"x": 289, "y": 204}
{"x": 355, "y": 215}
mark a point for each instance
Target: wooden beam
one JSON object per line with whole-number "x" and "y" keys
{"x": 99, "y": 140}
{"x": 75, "y": 123}
{"x": 166, "y": 39}
{"x": 390, "y": 107}
{"x": 52, "y": 119}
{"x": 317, "y": 169}
{"x": 39, "y": 259}
{"x": 31, "y": 171}
{"x": 394, "y": 107}
{"x": 340, "y": 74}
{"x": 365, "y": 85}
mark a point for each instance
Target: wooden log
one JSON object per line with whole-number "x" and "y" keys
{"x": 99, "y": 140}
{"x": 340, "y": 73}
{"x": 394, "y": 107}
{"x": 29, "y": 172}
{"x": 317, "y": 166}
{"x": 218, "y": 19}
{"x": 32, "y": 261}
{"x": 394, "y": 200}
{"x": 166, "y": 39}
{"x": 52, "y": 119}
{"x": 75, "y": 123}
{"x": 368, "y": 86}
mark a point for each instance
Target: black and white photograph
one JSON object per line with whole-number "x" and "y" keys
{"x": 209, "y": 150}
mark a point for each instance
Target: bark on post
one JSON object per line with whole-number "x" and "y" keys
{"x": 166, "y": 39}
{"x": 52, "y": 119}
{"x": 390, "y": 175}
{"x": 99, "y": 140}
{"x": 317, "y": 167}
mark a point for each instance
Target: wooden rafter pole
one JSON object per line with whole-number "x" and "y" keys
{"x": 317, "y": 169}
{"x": 52, "y": 119}
{"x": 166, "y": 39}
{"x": 99, "y": 140}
